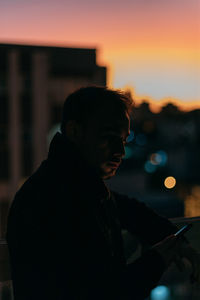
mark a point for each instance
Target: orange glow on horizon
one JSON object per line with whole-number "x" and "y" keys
{"x": 135, "y": 40}
{"x": 156, "y": 105}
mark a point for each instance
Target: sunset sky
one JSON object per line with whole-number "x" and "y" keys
{"x": 152, "y": 46}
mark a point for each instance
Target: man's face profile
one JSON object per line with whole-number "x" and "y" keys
{"x": 102, "y": 142}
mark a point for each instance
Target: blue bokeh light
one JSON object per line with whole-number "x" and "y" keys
{"x": 128, "y": 152}
{"x": 149, "y": 167}
{"x": 159, "y": 158}
{"x": 131, "y": 136}
{"x": 161, "y": 292}
{"x": 162, "y": 157}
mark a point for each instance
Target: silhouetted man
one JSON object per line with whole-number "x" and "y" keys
{"x": 64, "y": 226}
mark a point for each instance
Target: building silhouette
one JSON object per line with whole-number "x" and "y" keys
{"x": 34, "y": 82}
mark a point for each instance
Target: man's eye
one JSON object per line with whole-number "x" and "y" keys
{"x": 114, "y": 138}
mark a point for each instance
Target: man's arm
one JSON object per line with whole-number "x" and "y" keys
{"x": 140, "y": 220}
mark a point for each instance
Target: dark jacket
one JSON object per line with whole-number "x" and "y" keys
{"x": 64, "y": 235}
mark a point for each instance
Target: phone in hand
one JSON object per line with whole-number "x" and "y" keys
{"x": 183, "y": 230}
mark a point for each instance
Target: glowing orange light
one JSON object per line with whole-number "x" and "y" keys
{"x": 170, "y": 182}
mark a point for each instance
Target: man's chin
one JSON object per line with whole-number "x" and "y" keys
{"x": 108, "y": 175}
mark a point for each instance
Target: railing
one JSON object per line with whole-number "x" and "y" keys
{"x": 5, "y": 275}
{"x": 172, "y": 286}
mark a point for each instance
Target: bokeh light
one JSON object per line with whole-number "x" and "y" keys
{"x": 131, "y": 136}
{"x": 159, "y": 158}
{"x": 149, "y": 167}
{"x": 161, "y": 292}
{"x": 155, "y": 159}
{"x": 170, "y": 182}
{"x": 192, "y": 203}
{"x": 162, "y": 156}
{"x": 128, "y": 152}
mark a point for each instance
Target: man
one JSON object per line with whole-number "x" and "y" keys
{"x": 64, "y": 226}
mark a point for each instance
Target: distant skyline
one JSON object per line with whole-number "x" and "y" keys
{"x": 152, "y": 46}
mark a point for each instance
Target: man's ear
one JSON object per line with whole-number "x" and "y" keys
{"x": 73, "y": 131}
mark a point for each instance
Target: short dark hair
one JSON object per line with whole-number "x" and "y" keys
{"x": 80, "y": 105}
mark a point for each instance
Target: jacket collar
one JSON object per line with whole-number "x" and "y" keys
{"x": 67, "y": 160}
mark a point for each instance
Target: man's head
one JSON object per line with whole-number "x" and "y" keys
{"x": 97, "y": 121}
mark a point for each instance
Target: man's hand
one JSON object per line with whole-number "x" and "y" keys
{"x": 174, "y": 249}
{"x": 188, "y": 252}
{"x": 168, "y": 249}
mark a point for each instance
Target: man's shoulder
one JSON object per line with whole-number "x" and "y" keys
{"x": 122, "y": 198}
{"x": 34, "y": 187}
{"x": 36, "y": 180}
{"x": 42, "y": 188}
